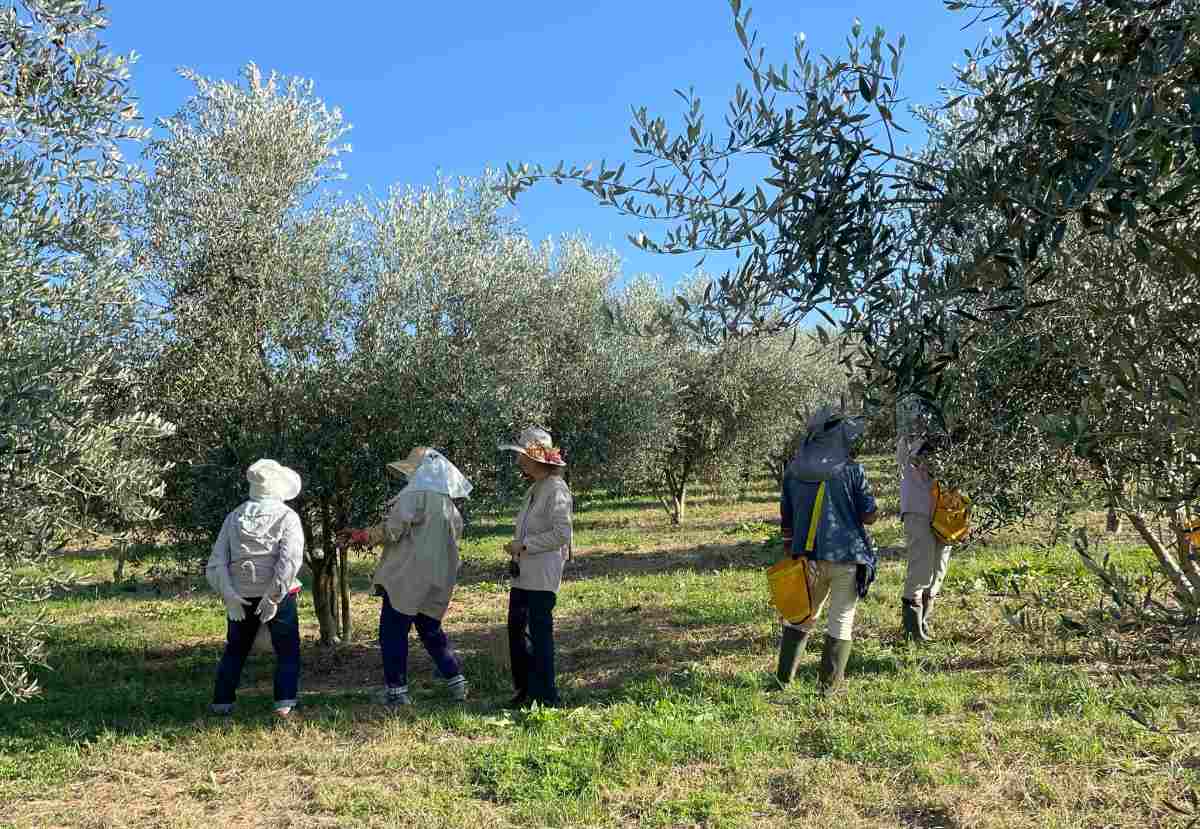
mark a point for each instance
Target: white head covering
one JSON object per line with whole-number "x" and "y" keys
{"x": 536, "y": 444}
{"x": 271, "y": 479}
{"x": 435, "y": 473}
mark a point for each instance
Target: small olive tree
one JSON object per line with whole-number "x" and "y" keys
{"x": 737, "y": 406}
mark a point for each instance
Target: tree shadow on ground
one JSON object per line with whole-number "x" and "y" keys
{"x": 598, "y": 651}
{"x": 583, "y": 565}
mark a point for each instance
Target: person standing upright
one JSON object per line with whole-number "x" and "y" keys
{"x": 825, "y": 507}
{"x": 927, "y": 557}
{"x": 254, "y": 566}
{"x": 540, "y": 546}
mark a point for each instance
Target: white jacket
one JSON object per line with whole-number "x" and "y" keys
{"x": 545, "y": 527}
{"x": 261, "y": 547}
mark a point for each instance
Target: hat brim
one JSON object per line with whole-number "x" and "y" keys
{"x": 400, "y": 468}
{"x": 293, "y": 485}
{"x": 407, "y": 466}
{"x": 508, "y": 447}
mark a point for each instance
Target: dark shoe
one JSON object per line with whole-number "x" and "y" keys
{"x": 790, "y": 649}
{"x": 913, "y": 630}
{"x": 832, "y": 676}
{"x": 520, "y": 700}
{"x": 926, "y": 612}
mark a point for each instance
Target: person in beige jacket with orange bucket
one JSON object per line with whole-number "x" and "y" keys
{"x": 540, "y": 547}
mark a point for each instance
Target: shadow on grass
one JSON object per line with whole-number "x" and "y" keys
{"x": 584, "y": 565}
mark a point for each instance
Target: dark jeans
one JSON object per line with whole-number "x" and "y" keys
{"x": 393, "y": 642}
{"x": 239, "y": 638}
{"x": 531, "y": 643}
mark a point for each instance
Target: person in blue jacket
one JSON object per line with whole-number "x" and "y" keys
{"x": 825, "y": 507}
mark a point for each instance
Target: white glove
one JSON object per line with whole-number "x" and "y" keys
{"x": 235, "y": 605}
{"x": 266, "y": 609}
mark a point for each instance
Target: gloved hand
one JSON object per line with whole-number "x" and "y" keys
{"x": 266, "y": 609}
{"x": 235, "y": 605}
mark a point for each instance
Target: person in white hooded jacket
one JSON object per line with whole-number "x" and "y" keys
{"x": 254, "y": 566}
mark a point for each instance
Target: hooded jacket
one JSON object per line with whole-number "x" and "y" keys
{"x": 261, "y": 546}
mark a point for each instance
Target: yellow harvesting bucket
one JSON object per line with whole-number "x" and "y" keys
{"x": 951, "y": 514}
{"x": 788, "y": 582}
{"x": 1192, "y": 535}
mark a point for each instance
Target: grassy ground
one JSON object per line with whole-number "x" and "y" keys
{"x": 667, "y": 646}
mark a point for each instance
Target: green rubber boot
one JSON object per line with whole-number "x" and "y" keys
{"x": 927, "y": 611}
{"x": 913, "y": 630}
{"x": 791, "y": 646}
{"x": 832, "y": 676}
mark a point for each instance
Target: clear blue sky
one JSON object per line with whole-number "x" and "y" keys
{"x": 458, "y": 87}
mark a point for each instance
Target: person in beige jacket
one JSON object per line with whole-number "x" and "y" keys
{"x": 541, "y": 545}
{"x": 419, "y": 568}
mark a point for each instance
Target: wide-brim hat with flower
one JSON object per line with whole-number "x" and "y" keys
{"x": 271, "y": 479}
{"x": 537, "y": 445}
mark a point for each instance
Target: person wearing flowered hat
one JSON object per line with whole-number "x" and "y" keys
{"x": 418, "y": 571}
{"x": 540, "y": 546}
{"x": 254, "y": 564}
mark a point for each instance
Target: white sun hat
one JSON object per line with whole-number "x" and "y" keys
{"x": 537, "y": 445}
{"x": 428, "y": 470}
{"x": 271, "y": 479}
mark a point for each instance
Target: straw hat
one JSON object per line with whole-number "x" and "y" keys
{"x": 537, "y": 445}
{"x": 271, "y": 479}
{"x": 428, "y": 470}
{"x": 409, "y": 465}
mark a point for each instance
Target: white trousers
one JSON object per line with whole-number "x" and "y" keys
{"x": 927, "y": 559}
{"x": 835, "y": 584}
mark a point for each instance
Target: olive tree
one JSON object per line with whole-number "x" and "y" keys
{"x": 1073, "y": 120}
{"x": 257, "y": 283}
{"x": 737, "y": 406}
{"x": 66, "y": 308}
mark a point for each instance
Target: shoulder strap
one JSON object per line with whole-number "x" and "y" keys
{"x": 814, "y": 519}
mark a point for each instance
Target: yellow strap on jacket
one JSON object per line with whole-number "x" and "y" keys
{"x": 815, "y": 519}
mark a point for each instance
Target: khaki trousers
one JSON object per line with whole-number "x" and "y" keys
{"x": 835, "y": 584}
{"x": 927, "y": 559}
